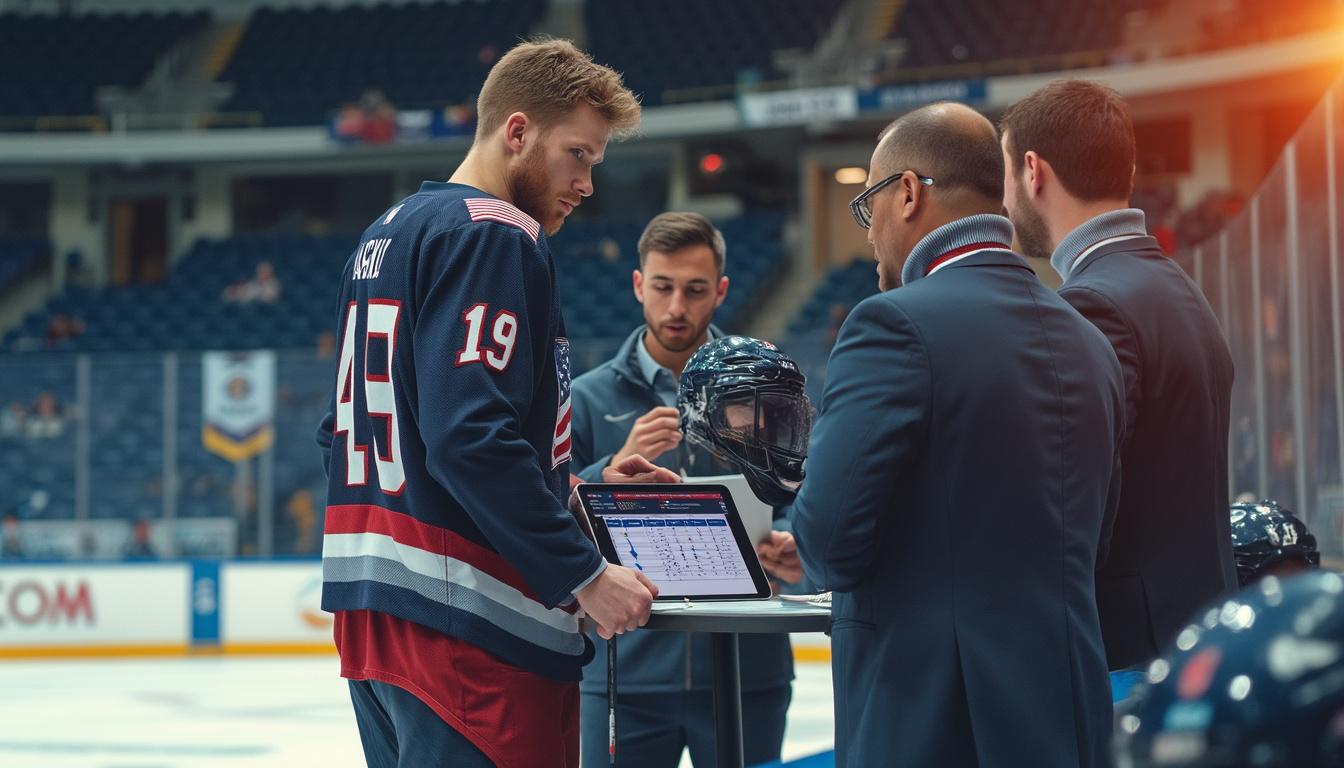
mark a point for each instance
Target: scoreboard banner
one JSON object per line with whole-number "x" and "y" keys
{"x": 238, "y": 403}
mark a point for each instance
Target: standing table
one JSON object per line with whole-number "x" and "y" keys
{"x": 725, "y": 621}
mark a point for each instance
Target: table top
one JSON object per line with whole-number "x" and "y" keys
{"x": 740, "y": 616}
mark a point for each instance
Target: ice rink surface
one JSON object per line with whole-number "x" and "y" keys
{"x": 231, "y": 712}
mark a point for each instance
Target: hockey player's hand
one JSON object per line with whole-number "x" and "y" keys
{"x": 779, "y": 556}
{"x": 653, "y": 434}
{"x": 638, "y": 469}
{"x": 618, "y": 600}
{"x": 635, "y": 469}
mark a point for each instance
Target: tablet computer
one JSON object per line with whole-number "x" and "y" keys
{"x": 687, "y": 539}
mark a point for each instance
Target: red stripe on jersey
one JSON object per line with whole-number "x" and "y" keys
{"x": 404, "y": 529}
{"x": 517, "y": 718}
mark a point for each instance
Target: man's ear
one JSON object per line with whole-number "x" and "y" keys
{"x": 516, "y": 129}
{"x": 1035, "y": 170}
{"x": 637, "y": 281}
{"x": 911, "y": 196}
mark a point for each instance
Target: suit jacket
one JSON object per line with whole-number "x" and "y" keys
{"x": 958, "y": 487}
{"x": 1171, "y": 551}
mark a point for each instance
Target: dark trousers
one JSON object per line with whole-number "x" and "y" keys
{"x": 400, "y": 731}
{"x": 652, "y": 729}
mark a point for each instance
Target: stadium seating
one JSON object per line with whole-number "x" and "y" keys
{"x": 298, "y": 65}
{"x": 76, "y": 54}
{"x": 696, "y": 44}
{"x": 812, "y": 332}
{"x": 20, "y": 257}
{"x": 186, "y": 313}
{"x": 845, "y": 285}
{"x": 942, "y": 33}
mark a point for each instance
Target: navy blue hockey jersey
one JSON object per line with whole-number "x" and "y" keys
{"x": 447, "y": 443}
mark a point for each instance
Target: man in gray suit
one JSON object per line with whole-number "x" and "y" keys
{"x": 960, "y": 479}
{"x": 1069, "y": 157}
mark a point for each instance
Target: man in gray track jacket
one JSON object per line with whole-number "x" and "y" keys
{"x": 627, "y": 406}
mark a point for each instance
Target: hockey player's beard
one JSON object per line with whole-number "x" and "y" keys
{"x": 529, "y": 188}
{"x": 1032, "y": 234}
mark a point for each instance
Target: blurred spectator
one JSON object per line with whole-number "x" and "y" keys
{"x": 1206, "y": 218}
{"x": 63, "y": 327}
{"x": 372, "y": 119}
{"x": 460, "y": 119}
{"x": 262, "y": 287}
{"x": 46, "y": 419}
{"x": 303, "y": 513}
{"x": 11, "y": 547}
{"x": 88, "y": 544}
{"x": 140, "y": 547}
{"x": 380, "y": 117}
{"x": 350, "y": 122}
{"x": 11, "y": 420}
{"x": 326, "y": 345}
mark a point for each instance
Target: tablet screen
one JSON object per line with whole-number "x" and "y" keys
{"x": 688, "y": 541}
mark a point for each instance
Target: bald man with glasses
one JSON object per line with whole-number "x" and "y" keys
{"x": 972, "y": 419}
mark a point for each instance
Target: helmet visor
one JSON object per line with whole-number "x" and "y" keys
{"x": 756, "y": 426}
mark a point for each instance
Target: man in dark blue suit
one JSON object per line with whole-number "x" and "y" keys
{"x": 1069, "y": 155}
{"x": 960, "y": 479}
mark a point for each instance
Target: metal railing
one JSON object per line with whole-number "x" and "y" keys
{"x": 1273, "y": 276}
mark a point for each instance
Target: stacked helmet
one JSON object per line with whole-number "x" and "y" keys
{"x": 1265, "y": 535}
{"x": 1257, "y": 681}
{"x": 743, "y": 400}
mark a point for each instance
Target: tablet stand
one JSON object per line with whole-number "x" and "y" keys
{"x": 725, "y": 621}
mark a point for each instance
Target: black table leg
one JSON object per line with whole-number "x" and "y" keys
{"x": 727, "y": 700}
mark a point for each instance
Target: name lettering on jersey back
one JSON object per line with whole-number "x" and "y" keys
{"x": 370, "y": 259}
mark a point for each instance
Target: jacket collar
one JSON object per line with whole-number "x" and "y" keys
{"x": 1120, "y": 225}
{"x": 954, "y": 241}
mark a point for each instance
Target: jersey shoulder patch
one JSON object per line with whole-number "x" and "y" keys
{"x": 491, "y": 209}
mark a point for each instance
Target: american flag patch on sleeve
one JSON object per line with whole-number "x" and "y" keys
{"x": 561, "y": 443}
{"x": 490, "y": 209}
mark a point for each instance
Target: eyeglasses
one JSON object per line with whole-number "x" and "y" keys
{"x": 859, "y": 206}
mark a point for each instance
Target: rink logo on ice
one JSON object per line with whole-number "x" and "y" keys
{"x": 29, "y": 603}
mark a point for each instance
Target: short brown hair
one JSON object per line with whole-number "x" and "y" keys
{"x": 669, "y": 232}
{"x": 545, "y": 79}
{"x": 1083, "y": 130}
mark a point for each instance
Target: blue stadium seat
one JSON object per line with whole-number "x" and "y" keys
{"x": 77, "y": 53}
{"x": 298, "y": 65}
{"x": 700, "y": 44}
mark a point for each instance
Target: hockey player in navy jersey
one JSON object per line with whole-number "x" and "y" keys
{"x": 449, "y": 559}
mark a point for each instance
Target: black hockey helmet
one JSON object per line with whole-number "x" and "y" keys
{"x": 743, "y": 400}
{"x": 1265, "y": 535}
{"x": 1257, "y": 680}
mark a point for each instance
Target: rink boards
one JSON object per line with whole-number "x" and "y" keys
{"x": 178, "y": 607}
